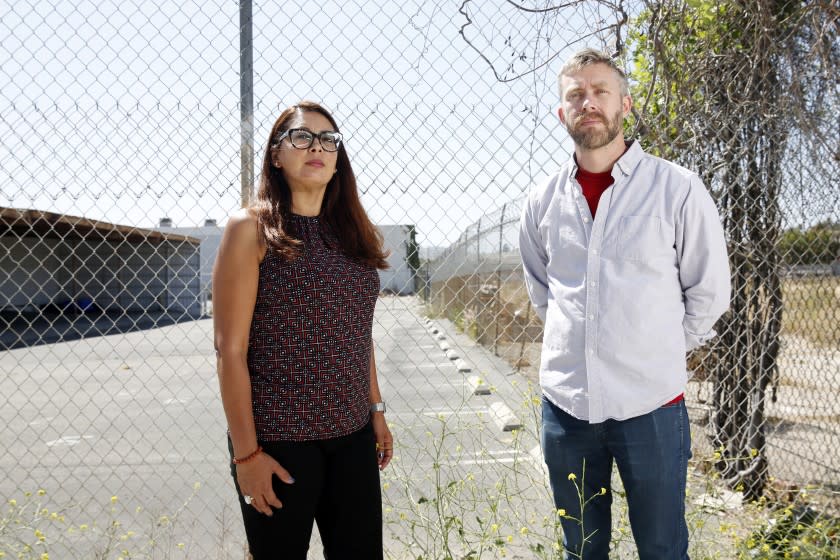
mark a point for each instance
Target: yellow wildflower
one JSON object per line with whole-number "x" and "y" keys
{"x": 572, "y": 476}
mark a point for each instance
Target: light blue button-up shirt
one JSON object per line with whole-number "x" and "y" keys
{"x": 625, "y": 296}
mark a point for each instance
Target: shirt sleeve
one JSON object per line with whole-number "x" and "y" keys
{"x": 534, "y": 258}
{"x": 703, "y": 265}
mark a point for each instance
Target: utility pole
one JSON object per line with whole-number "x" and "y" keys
{"x": 246, "y": 101}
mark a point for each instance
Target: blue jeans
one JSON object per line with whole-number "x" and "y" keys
{"x": 651, "y": 452}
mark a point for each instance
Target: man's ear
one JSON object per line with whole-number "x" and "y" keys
{"x": 561, "y": 115}
{"x": 626, "y": 104}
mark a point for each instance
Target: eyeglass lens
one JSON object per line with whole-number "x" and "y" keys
{"x": 303, "y": 139}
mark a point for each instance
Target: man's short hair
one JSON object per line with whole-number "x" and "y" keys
{"x": 588, "y": 57}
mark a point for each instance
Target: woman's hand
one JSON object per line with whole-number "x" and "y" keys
{"x": 384, "y": 440}
{"x": 255, "y": 480}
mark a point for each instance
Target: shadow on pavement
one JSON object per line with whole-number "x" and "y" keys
{"x": 21, "y": 330}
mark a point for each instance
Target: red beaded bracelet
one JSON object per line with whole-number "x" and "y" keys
{"x": 248, "y": 457}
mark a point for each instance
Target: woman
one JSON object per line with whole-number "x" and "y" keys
{"x": 294, "y": 290}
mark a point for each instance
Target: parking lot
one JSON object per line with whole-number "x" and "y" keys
{"x": 129, "y": 428}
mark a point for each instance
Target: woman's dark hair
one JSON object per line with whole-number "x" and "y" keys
{"x": 341, "y": 209}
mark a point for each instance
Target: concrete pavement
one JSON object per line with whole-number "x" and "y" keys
{"x": 138, "y": 416}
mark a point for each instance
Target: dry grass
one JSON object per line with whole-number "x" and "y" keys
{"x": 811, "y": 309}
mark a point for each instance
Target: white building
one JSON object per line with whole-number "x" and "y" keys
{"x": 399, "y": 278}
{"x": 59, "y": 272}
{"x": 210, "y": 236}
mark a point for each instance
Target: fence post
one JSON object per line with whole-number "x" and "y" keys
{"x": 246, "y": 101}
{"x": 496, "y": 313}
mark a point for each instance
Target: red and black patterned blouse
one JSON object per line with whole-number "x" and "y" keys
{"x": 310, "y": 341}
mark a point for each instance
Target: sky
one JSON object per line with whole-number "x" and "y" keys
{"x": 129, "y": 111}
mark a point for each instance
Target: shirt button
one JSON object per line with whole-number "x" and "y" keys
{"x": 586, "y": 220}
{"x": 594, "y": 251}
{"x": 591, "y": 351}
{"x": 592, "y": 283}
{"x": 592, "y": 317}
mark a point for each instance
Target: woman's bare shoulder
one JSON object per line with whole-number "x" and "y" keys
{"x": 242, "y": 232}
{"x": 243, "y": 218}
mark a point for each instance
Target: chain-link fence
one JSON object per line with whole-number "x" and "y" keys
{"x": 123, "y": 125}
{"x": 477, "y": 284}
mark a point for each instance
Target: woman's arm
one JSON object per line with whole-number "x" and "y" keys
{"x": 235, "y": 278}
{"x": 384, "y": 440}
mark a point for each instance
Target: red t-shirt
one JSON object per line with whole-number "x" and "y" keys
{"x": 593, "y": 185}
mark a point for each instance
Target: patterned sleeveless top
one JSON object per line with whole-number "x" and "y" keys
{"x": 310, "y": 341}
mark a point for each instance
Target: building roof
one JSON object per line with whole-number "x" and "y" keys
{"x": 26, "y": 223}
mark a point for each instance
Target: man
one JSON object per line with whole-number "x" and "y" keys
{"x": 625, "y": 262}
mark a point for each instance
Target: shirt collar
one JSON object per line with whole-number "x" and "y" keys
{"x": 625, "y": 164}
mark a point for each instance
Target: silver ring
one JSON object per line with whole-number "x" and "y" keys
{"x": 248, "y": 499}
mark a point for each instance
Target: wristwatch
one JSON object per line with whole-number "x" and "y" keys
{"x": 377, "y": 407}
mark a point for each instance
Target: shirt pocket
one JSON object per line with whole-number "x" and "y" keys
{"x": 644, "y": 239}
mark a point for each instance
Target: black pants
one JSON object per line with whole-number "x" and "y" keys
{"x": 336, "y": 485}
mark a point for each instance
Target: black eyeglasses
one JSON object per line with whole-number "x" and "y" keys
{"x": 302, "y": 139}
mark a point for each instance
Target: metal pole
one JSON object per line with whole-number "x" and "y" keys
{"x": 246, "y": 101}
{"x": 502, "y": 232}
{"x": 498, "y": 293}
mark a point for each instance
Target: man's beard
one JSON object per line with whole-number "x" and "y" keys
{"x": 591, "y": 138}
